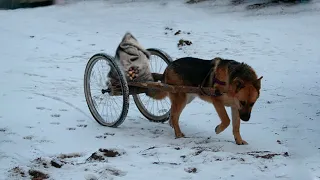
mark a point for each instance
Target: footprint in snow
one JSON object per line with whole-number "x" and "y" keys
{"x": 42, "y": 108}
{"x": 90, "y": 177}
{"x": 55, "y": 115}
{"x": 28, "y": 137}
{"x": 108, "y": 170}
{"x": 101, "y": 137}
{"x": 44, "y": 141}
{"x": 55, "y": 123}
{"x": 71, "y": 129}
{"x": 82, "y": 125}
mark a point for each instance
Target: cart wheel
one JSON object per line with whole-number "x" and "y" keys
{"x": 155, "y": 110}
{"x": 108, "y": 104}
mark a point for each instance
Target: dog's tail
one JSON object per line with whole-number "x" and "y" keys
{"x": 157, "y": 94}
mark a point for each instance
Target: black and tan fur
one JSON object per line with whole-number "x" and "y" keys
{"x": 240, "y": 92}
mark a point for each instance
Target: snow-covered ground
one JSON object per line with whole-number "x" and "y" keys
{"x": 43, "y": 113}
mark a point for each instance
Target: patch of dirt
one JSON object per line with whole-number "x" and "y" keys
{"x": 183, "y": 42}
{"x": 194, "y": 1}
{"x": 71, "y": 155}
{"x": 38, "y": 175}
{"x": 40, "y": 108}
{"x": 111, "y": 171}
{"x": 109, "y": 153}
{"x": 101, "y": 154}
{"x": 41, "y": 161}
{"x": 191, "y": 170}
{"x": 101, "y": 137}
{"x": 28, "y": 137}
{"x": 115, "y": 172}
{"x": 274, "y": 3}
{"x": 96, "y": 156}
{"x": 198, "y": 152}
{"x": 176, "y": 32}
{"x": 156, "y": 131}
{"x": 56, "y": 163}
{"x": 3, "y": 129}
{"x": 167, "y": 28}
{"x": 105, "y": 135}
{"x": 82, "y": 125}
{"x": 166, "y": 163}
{"x": 55, "y": 115}
{"x": 266, "y": 154}
{"x": 18, "y": 171}
{"x": 210, "y": 149}
{"x": 109, "y": 134}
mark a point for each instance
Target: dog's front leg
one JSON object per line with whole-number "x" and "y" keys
{"x": 221, "y": 110}
{"x": 236, "y": 126}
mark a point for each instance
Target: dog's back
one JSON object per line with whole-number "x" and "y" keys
{"x": 188, "y": 71}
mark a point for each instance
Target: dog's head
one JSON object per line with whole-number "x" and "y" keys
{"x": 246, "y": 94}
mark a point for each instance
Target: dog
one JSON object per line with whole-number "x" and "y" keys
{"x": 235, "y": 84}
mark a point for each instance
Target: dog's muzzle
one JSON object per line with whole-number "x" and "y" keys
{"x": 245, "y": 116}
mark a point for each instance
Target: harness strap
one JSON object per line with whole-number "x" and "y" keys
{"x": 214, "y": 80}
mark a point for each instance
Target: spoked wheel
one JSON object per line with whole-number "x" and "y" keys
{"x": 155, "y": 110}
{"x": 107, "y": 99}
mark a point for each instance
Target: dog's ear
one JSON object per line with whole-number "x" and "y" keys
{"x": 257, "y": 83}
{"x": 239, "y": 84}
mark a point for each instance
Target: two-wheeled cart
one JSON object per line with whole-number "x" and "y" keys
{"x": 108, "y": 101}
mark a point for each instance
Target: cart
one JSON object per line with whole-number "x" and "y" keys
{"x": 108, "y": 101}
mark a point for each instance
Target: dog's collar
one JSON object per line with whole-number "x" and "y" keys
{"x": 215, "y": 80}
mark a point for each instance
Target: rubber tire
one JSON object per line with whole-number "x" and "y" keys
{"x": 159, "y": 119}
{"x": 124, "y": 85}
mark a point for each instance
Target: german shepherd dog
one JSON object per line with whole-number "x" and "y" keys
{"x": 235, "y": 84}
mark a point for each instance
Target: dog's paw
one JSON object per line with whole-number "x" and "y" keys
{"x": 179, "y": 135}
{"x": 217, "y": 129}
{"x": 241, "y": 142}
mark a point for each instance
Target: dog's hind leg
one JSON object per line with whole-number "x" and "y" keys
{"x": 225, "y": 121}
{"x": 236, "y": 126}
{"x": 178, "y": 103}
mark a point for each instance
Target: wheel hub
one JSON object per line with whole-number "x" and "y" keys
{"x": 103, "y": 91}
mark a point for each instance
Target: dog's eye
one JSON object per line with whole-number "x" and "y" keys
{"x": 251, "y": 104}
{"x": 243, "y": 103}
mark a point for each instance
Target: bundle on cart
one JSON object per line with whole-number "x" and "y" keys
{"x": 133, "y": 60}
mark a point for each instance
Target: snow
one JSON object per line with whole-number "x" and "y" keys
{"x": 43, "y": 111}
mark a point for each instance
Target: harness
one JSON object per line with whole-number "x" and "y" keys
{"x": 214, "y": 80}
